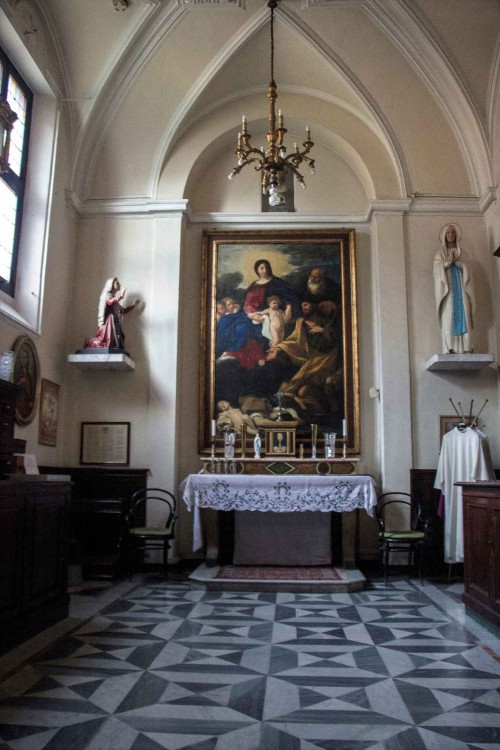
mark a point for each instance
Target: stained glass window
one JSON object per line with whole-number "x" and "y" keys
{"x": 12, "y": 182}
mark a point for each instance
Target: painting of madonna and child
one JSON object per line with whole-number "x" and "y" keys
{"x": 279, "y": 334}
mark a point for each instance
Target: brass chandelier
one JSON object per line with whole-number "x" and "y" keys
{"x": 273, "y": 161}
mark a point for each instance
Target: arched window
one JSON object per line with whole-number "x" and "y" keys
{"x": 12, "y": 182}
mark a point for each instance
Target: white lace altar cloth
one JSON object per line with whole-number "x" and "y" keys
{"x": 276, "y": 494}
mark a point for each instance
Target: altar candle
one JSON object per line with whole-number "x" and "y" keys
{"x": 344, "y": 428}
{"x": 214, "y": 428}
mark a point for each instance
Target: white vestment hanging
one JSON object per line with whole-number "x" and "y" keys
{"x": 465, "y": 457}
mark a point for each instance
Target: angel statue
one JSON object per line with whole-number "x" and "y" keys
{"x": 109, "y": 317}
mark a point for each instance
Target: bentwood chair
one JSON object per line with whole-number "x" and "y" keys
{"x": 150, "y": 525}
{"x": 400, "y": 531}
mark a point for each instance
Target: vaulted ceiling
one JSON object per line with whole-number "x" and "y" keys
{"x": 400, "y": 94}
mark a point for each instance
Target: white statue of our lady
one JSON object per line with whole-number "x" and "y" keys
{"x": 257, "y": 443}
{"x": 454, "y": 293}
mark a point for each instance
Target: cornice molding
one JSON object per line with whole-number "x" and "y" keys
{"x": 488, "y": 199}
{"x": 332, "y": 3}
{"x": 463, "y": 205}
{"x": 145, "y": 207}
{"x": 212, "y": 3}
{"x": 402, "y": 23}
{"x": 278, "y": 219}
{"x": 141, "y": 206}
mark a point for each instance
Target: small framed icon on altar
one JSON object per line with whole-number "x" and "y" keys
{"x": 280, "y": 441}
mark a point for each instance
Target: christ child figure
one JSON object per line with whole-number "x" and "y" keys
{"x": 273, "y": 319}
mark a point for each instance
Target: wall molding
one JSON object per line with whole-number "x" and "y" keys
{"x": 212, "y": 4}
{"x": 145, "y": 207}
{"x": 140, "y": 206}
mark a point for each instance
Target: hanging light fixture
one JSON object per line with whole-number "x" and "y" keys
{"x": 7, "y": 120}
{"x": 272, "y": 161}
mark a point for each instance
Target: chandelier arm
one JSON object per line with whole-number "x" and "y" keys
{"x": 244, "y": 163}
{"x": 303, "y": 153}
{"x": 293, "y": 160}
{"x": 243, "y": 153}
{"x": 297, "y": 174}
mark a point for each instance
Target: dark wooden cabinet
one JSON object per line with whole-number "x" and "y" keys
{"x": 100, "y": 501}
{"x": 34, "y": 522}
{"x": 12, "y": 531}
{"x": 481, "y": 505}
{"x": 9, "y": 394}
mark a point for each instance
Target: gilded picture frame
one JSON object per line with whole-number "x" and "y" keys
{"x": 26, "y": 375}
{"x": 292, "y": 358}
{"x": 280, "y": 443}
{"x": 49, "y": 413}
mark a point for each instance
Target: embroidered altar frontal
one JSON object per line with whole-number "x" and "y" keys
{"x": 280, "y": 494}
{"x": 294, "y": 494}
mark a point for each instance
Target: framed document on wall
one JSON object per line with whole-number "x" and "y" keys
{"x": 105, "y": 443}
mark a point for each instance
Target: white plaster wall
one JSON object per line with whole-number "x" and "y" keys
{"x": 55, "y": 305}
{"x": 111, "y": 247}
{"x": 144, "y": 254}
{"x": 431, "y": 390}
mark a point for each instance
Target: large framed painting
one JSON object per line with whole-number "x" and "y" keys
{"x": 279, "y": 335}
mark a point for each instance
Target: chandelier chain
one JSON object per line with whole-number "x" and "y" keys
{"x": 273, "y": 162}
{"x": 272, "y": 5}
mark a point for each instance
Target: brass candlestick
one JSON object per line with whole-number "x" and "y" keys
{"x": 243, "y": 440}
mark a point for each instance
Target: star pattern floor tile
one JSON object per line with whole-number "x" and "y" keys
{"x": 168, "y": 667}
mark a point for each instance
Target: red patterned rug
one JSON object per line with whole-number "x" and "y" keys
{"x": 272, "y": 573}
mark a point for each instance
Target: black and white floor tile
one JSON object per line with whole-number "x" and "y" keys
{"x": 166, "y": 666}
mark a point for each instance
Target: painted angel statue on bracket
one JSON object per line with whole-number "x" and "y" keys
{"x": 109, "y": 317}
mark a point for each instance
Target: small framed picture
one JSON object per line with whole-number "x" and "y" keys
{"x": 105, "y": 443}
{"x": 49, "y": 413}
{"x": 26, "y": 374}
{"x": 448, "y": 423}
{"x": 280, "y": 442}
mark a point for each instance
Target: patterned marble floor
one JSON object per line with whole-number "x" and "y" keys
{"x": 171, "y": 666}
